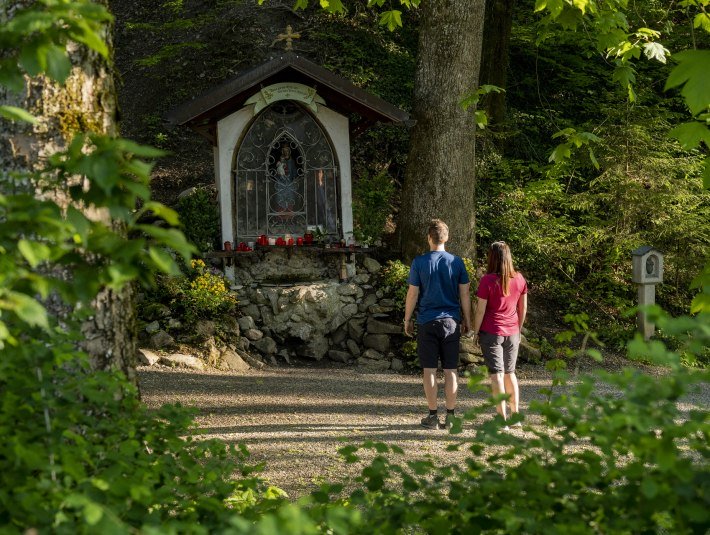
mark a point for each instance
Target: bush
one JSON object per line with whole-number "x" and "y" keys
{"x": 393, "y": 277}
{"x": 201, "y": 294}
{"x": 372, "y": 197}
{"x": 200, "y": 219}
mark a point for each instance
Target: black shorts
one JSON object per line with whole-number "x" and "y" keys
{"x": 439, "y": 340}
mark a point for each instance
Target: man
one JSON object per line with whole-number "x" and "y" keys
{"x": 439, "y": 283}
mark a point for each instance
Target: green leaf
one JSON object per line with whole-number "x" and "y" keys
{"x": 693, "y": 74}
{"x": 702, "y": 20}
{"x": 58, "y": 64}
{"x": 562, "y": 152}
{"x": 17, "y": 114}
{"x": 93, "y": 513}
{"x": 392, "y": 19}
{"x": 691, "y": 134}
{"x": 163, "y": 261}
{"x": 34, "y": 252}
{"x": 27, "y": 309}
{"x": 160, "y": 210}
{"x": 706, "y": 174}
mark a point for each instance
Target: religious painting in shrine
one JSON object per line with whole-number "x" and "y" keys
{"x": 286, "y": 175}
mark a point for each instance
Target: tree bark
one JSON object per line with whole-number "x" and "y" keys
{"x": 85, "y": 102}
{"x": 440, "y": 178}
{"x": 494, "y": 63}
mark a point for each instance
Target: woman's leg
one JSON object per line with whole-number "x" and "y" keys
{"x": 511, "y": 388}
{"x": 498, "y": 387}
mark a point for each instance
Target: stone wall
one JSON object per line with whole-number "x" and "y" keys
{"x": 297, "y": 306}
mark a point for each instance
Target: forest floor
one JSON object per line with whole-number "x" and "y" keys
{"x": 294, "y": 419}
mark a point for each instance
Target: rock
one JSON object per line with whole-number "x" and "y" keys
{"x": 187, "y": 192}
{"x": 284, "y": 354}
{"x": 349, "y": 310}
{"x": 528, "y": 352}
{"x": 470, "y": 358}
{"x": 362, "y": 278}
{"x": 350, "y": 270}
{"x": 251, "y": 360}
{"x": 161, "y": 339}
{"x": 316, "y": 348}
{"x": 468, "y": 346}
{"x": 174, "y": 323}
{"x": 231, "y": 326}
{"x": 375, "y": 326}
{"x": 231, "y": 361}
{"x": 379, "y": 309}
{"x": 373, "y": 354}
{"x": 379, "y": 342}
{"x": 339, "y": 335}
{"x": 387, "y": 302}
{"x": 372, "y": 265}
{"x": 348, "y": 289}
{"x": 367, "y": 302}
{"x": 356, "y": 328}
{"x": 251, "y": 311}
{"x": 243, "y": 344}
{"x": 246, "y": 323}
{"x": 253, "y": 334}
{"x": 380, "y": 294}
{"x": 339, "y": 356}
{"x": 205, "y": 328}
{"x": 397, "y": 365}
{"x": 182, "y": 361}
{"x": 146, "y": 357}
{"x": 304, "y": 331}
{"x": 372, "y": 364}
{"x": 214, "y": 353}
{"x": 152, "y": 327}
{"x": 353, "y": 347}
{"x": 266, "y": 345}
{"x": 155, "y": 311}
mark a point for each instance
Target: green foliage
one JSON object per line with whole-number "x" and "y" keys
{"x": 588, "y": 464}
{"x": 202, "y": 294}
{"x": 372, "y": 197}
{"x": 393, "y": 278}
{"x": 200, "y": 218}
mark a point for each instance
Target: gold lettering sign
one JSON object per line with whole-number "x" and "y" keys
{"x": 285, "y": 91}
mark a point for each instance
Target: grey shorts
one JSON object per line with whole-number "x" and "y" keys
{"x": 500, "y": 353}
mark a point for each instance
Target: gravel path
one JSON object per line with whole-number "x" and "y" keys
{"x": 296, "y": 418}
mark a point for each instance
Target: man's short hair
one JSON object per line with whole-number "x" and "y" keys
{"x": 438, "y": 231}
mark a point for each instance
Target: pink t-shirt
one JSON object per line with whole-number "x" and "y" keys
{"x": 501, "y": 315}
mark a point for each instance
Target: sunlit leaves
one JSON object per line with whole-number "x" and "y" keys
{"x": 474, "y": 98}
{"x": 574, "y": 140}
{"x": 656, "y": 51}
{"x": 690, "y": 135}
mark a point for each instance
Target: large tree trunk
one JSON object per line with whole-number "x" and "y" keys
{"x": 441, "y": 175}
{"x": 86, "y": 102}
{"x": 494, "y": 63}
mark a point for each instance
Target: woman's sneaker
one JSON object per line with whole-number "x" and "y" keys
{"x": 431, "y": 421}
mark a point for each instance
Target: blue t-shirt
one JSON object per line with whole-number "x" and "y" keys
{"x": 438, "y": 275}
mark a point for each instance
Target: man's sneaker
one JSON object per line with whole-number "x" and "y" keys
{"x": 431, "y": 421}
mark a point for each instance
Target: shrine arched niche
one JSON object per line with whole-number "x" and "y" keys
{"x": 286, "y": 175}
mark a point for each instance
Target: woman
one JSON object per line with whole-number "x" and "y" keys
{"x": 500, "y": 313}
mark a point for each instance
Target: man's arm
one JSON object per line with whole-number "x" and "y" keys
{"x": 409, "y": 306}
{"x": 465, "y": 299}
{"x": 522, "y": 309}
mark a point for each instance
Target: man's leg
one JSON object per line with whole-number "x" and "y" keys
{"x": 511, "y": 388}
{"x": 451, "y": 386}
{"x": 498, "y": 387}
{"x": 430, "y": 387}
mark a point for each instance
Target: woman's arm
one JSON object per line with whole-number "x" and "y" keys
{"x": 522, "y": 309}
{"x": 480, "y": 311}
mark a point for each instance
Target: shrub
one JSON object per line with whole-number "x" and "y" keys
{"x": 200, "y": 218}
{"x": 394, "y": 277}
{"x": 371, "y": 205}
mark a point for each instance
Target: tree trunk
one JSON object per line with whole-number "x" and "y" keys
{"x": 494, "y": 64}
{"x": 440, "y": 178}
{"x": 85, "y": 102}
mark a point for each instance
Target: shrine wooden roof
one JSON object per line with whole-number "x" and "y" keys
{"x": 202, "y": 113}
